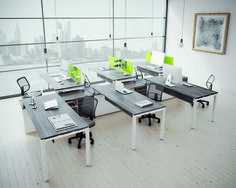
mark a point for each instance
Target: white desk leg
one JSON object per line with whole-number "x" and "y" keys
{"x": 194, "y": 113}
{"x": 87, "y": 147}
{"x": 134, "y": 133}
{"x": 162, "y": 124}
{"x": 213, "y": 109}
{"x": 44, "y": 160}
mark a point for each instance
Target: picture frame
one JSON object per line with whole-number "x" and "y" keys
{"x": 210, "y": 32}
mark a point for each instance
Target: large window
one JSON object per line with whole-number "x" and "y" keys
{"x": 76, "y": 30}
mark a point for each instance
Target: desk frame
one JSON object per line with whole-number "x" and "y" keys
{"x": 134, "y": 126}
{"x": 134, "y": 116}
{"x": 193, "y": 99}
{"x": 43, "y": 123}
{"x": 44, "y": 155}
{"x": 195, "y": 109}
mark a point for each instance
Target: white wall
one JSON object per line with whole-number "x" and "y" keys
{"x": 199, "y": 65}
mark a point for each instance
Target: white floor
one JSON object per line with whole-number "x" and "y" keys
{"x": 204, "y": 157}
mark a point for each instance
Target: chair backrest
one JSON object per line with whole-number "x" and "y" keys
{"x": 23, "y": 84}
{"x": 155, "y": 91}
{"x": 89, "y": 106}
{"x": 210, "y": 81}
{"x": 138, "y": 73}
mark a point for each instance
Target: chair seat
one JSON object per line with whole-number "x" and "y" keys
{"x": 89, "y": 121}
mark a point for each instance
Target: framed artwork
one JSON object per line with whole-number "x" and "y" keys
{"x": 210, "y": 32}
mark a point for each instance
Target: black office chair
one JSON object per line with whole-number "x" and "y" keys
{"x": 87, "y": 109}
{"x": 25, "y": 87}
{"x": 209, "y": 83}
{"x": 154, "y": 92}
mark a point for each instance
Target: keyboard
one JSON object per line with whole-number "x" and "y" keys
{"x": 58, "y": 79}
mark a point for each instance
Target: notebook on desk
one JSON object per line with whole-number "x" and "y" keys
{"x": 119, "y": 86}
{"x": 143, "y": 103}
{"x": 51, "y": 105}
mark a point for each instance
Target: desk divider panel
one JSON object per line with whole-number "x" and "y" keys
{"x": 127, "y": 68}
{"x": 148, "y": 56}
{"x": 74, "y": 72}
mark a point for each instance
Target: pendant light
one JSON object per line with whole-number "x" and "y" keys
{"x": 125, "y": 43}
{"x": 109, "y": 36}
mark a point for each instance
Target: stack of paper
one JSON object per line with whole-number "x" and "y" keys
{"x": 61, "y": 122}
{"x": 50, "y": 105}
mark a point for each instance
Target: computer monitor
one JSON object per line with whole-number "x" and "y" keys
{"x": 175, "y": 71}
{"x": 64, "y": 67}
{"x": 75, "y": 73}
{"x": 157, "y": 58}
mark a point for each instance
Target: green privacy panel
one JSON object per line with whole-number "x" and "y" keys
{"x": 148, "y": 56}
{"x": 74, "y": 72}
{"x": 169, "y": 60}
{"x": 117, "y": 63}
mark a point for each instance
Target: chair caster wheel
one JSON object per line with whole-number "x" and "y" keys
{"x": 69, "y": 141}
{"x": 203, "y": 106}
{"x": 207, "y": 103}
{"x": 79, "y": 146}
{"x": 92, "y": 141}
{"x": 158, "y": 121}
{"x": 139, "y": 120}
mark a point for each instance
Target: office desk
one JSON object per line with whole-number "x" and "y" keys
{"x": 46, "y": 131}
{"x": 188, "y": 94}
{"x": 68, "y": 84}
{"x": 112, "y": 74}
{"x": 151, "y": 69}
{"x": 126, "y": 103}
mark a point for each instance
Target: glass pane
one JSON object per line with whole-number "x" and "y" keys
{"x": 74, "y": 30}
{"x": 139, "y": 27}
{"x": 141, "y": 8}
{"x": 22, "y": 8}
{"x": 16, "y": 57}
{"x": 29, "y": 64}
{"x": 77, "y": 8}
{"x": 137, "y": 47}
{"x": 79, "y": 52}
{"x": 21, "y": 31}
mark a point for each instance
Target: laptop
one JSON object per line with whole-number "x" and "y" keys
{"x": 119, "y": 86}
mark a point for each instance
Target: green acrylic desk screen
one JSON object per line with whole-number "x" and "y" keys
{"x": 169, "y": 60}
{"x": 148, "y": 56}
{"x": 128, "y": 66}
{"x": 74, "y": 72}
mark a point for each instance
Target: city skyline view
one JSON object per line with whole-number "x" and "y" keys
{"x": 83, "y": 29}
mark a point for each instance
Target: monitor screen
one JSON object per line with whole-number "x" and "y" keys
{"x": 74, "y": 72}
{"x": 175, "y": 71}
{"x": 157, "y": 58}
{"x": 64, "y": 67}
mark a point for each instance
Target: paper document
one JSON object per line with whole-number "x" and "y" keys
{"x": 50, "y": 105}
{"x": 144, "y": 103}
{"x": 61, "y": 122}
